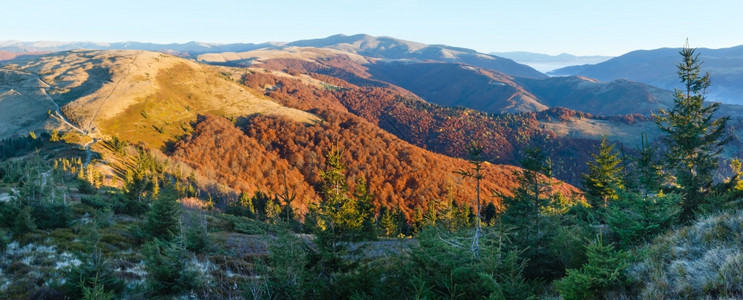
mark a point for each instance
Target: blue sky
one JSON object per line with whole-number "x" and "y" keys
{"x": 583, "y": 27}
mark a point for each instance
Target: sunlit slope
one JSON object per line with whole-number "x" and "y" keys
{"x": 137, "y": 95}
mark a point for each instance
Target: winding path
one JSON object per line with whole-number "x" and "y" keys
{"x": 90, "y": 132}
{"x": 57, "y": 110}
{"x": 63, "y": 119}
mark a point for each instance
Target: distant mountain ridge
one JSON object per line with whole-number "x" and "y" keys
{"x": 658, "y": 68}
{"x": 391, "y": 48}
{"x": 362, "y": 44}
{"x": 546, "y": 62}
{"x": 184, "y": 49}
{"x": 457, "y": 84}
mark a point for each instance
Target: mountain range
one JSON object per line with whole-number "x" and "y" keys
{"x": 369, "y": 46}
{"x": 185, "y": 49}
{"x": 652, "y": 67}
{"x": 658, "y": 68}
{"x": 466, "y": 79}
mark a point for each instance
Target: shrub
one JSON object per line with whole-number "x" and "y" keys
{"x": 168, "y": 273}
{"x": 197, "y": 237}
{"x": 23, "y": 222}
{"x": 603, "y": 272}
{"x": 635, "y": 219}
{"x": 163, "y": 220}
{"x": 50, "y": 215}
{"x": 93, "y": 277}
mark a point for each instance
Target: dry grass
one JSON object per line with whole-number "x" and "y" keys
{"x": 629, "y": 135}
{"x": 138, "y": 95}
{"x": 23, "y": 107}
{"x": 704, "y": 260}
{"x": 261, "y": 55}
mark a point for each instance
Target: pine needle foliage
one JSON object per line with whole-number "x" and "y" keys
{"x": 603, "y": 271}
{"x": 604, "y": 175}
{"x": 164, "y": 219}
{"x": 693, "y": 135}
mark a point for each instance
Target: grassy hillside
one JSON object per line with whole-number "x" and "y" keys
{"x": 23, "y": 105}
{"x": 141, "y": 96}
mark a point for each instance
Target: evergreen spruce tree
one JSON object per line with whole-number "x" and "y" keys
{"x": 447, "y": 217}
{"x": 94, "y": 275}
{"x": 336, "y": 207}
{"x": 388, "y": 223}
{"x": 530, "y": 196}
{"x": 338, "y": 221}
{"x": 430, "y": 217}
{"x": 365, "y": 208}
{"x": 603, "y": 271}
{"x": 462, "y": 216}
{"x": 163, "y": 220}
{"x": 417, "y": 220}
{"x": 93, "y": 278}
{"x": 648, "y": 170}
{"x": 527, "y": 211}
{"x": 693, "y": 136}
{"x": 604, "y": 175}
{"x": 287, "y": 275}
{"x": 197, "y": 233}
{"x": 167, "y": 267}
{"x": 288, "y": 196}
{"x": 273, "y": 210}
{"x": 242, "y": 207}
{"x": 23, "y": 222}
{"x": 635, "y": 218}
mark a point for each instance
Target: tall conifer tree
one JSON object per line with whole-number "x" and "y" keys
{"x": 604, "y": 175}
{"x": 164, "y": 219}
{"x": 693, "y": 136}
{"x": 648, "y": 170}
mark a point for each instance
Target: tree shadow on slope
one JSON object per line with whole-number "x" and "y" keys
{"x": 97, "y": 77}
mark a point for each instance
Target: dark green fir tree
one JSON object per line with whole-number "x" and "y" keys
{"x": 604, "y": 175}
{"x": 693, "y": 135}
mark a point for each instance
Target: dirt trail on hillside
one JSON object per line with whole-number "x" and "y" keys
{"x": 57, "y": 110}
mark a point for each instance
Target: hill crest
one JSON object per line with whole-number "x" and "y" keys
{"x": 128, "y": 92}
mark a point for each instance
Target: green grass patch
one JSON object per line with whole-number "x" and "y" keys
{"x": 168, "y": 112}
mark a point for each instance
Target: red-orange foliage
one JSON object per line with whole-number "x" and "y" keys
{"x": 437, "y": 128}
{"x": 440, "y": 129}
{"x": 399, "y": 174}
{"x": 221, "y": 151}
{"x": 291, "y": 92}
